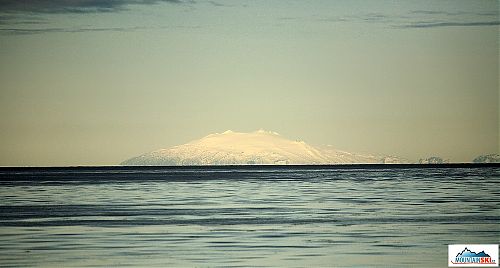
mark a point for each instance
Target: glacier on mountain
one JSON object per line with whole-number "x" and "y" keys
{"x": 255, "y": 148}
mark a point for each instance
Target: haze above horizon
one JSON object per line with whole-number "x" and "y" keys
{"x": 96, "y": 82}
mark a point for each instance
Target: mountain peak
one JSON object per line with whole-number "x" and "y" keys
{"x": 240, "y": 148}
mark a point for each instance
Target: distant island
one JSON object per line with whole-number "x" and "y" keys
{"x": 489, "y": 158}
{"x": 255, "y": 148}
{"x": 433, "y": 160}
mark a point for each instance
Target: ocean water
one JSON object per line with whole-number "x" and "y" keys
{"x": 375, "y": 216}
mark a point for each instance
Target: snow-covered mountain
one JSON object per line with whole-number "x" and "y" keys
{"x": 259, "y": 147}
{"x": 488, "y": 158}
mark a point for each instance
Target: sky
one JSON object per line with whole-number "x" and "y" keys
{"x": 86, "y": 82}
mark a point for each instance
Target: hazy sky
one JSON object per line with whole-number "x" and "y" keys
{"x": 97, "y": 82}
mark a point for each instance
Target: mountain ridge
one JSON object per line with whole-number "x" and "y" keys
{"x": 260, "y": 147}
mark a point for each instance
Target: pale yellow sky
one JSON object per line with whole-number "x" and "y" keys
{"x": 95, "y": 85}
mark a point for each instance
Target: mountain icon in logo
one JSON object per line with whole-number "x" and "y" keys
{"x": 467, "y": 253}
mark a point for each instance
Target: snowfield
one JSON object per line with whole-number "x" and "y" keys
{"x": 256, "y": 148}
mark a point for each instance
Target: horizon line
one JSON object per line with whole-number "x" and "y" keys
{"x": 321, "y": 166}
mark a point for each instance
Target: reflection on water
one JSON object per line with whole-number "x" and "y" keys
{"x": 244, "y": 217}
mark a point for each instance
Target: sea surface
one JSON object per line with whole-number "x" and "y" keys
{"x": 327, "y": 216}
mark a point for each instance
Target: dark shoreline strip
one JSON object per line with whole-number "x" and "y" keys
{"x": 257, "y": 167}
